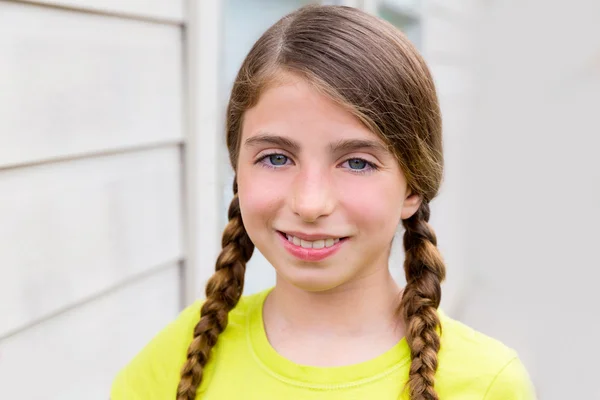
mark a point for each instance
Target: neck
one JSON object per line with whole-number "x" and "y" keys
{"x": 364, "y": 307}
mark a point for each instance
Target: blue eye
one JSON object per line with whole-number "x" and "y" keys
{"x": 278, "y": 159}
{"x": 357, "y": 164}
{"x": 274, "y": 160}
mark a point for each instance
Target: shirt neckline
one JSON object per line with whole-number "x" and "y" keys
{"x": 325, "y": 378}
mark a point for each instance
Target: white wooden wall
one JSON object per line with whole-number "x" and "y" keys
{"x": 92, "y": 126}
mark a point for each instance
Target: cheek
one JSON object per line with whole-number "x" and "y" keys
{"x": 375, "y": 205}
{"x": 260, "y": 197}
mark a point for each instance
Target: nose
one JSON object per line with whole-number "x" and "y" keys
{"x": 312, "y": 195}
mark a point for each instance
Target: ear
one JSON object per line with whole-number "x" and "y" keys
{"x": 411, "y": 204}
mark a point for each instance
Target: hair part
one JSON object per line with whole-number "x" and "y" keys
{"x": 390, "y": 89}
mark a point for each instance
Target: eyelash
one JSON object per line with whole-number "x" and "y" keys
{"x": 263, "y": 162}
{"x": 371, "y": 166}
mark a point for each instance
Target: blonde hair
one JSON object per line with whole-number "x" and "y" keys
{"x": 368, "y": 66}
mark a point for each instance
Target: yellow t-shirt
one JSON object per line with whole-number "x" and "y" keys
{"x": 243, "y": 365}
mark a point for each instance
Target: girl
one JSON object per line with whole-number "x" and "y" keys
{"x": 334, "y": 133}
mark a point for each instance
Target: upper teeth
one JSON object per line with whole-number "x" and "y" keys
{"x": 317, "y": 244}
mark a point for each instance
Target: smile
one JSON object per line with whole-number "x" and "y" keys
{"x": 311, "y": 250}
{"x": 317, "y": 244}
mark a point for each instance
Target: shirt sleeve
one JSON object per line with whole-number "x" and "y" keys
{"x": 511, "y": 383}
{"x": 154, "y": 372}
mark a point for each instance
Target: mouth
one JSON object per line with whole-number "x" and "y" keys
{"x": 316, "y": 249}
{"x": 316, "y": 242}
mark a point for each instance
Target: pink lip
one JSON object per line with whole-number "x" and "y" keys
{"x": 309, "y": 254}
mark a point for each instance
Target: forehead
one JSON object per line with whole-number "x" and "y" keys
{"x": 297, "y": 109}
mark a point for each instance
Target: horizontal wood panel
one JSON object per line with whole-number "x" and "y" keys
{"x": 77, "y": 354}
{"x": 70, "y": 230}
{"x": 73, "y": 83}
{"x": 163, "y": 9}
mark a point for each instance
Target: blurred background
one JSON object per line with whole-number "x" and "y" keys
{"x": 114, "y": 179}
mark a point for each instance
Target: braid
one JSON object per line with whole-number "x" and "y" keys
{"x": 223, "y": 292}
{"x": 424, "y": 270}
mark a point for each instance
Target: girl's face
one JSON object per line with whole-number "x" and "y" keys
{"x": 321, "y": 196}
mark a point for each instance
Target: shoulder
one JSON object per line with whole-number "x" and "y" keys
{"x": 154, "y": 371}
{"x": 461, "y": 341}
{"x": 470, "y": 360}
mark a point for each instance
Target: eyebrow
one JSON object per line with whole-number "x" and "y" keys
{"x": 341, "y": 146}
{"x": 268, "y": 138}
{"x": 350, "y": 145}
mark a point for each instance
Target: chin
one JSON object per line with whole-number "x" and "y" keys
{"x": 313, "y": 279}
